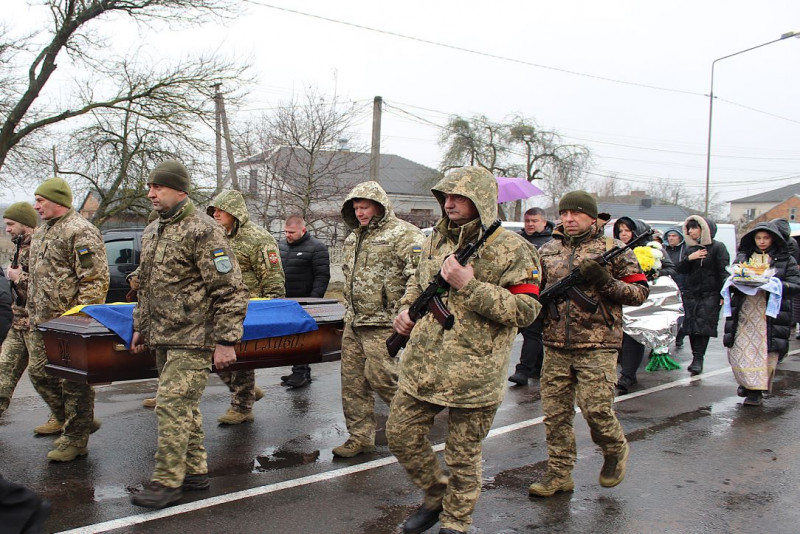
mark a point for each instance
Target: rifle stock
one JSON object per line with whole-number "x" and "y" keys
{"x": 567, "y": 287}
{"x": 14, "y": 264}
{"x": 431, "y": 301}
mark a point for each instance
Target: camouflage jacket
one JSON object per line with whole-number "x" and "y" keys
{"x": 578, "y": 328}
{"x": 67, "y": 267}
{"x": 21, "y": 320}
{"x": 191, "y": 293}
{"x": 466, "y": 366}
{"x": 377, "y": 260}
{"x": 255, "y": 248}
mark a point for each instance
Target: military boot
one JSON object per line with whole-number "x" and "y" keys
{"x": 232, "y": 417}
{"x": 696, "y": 367}
{"x": 422, "y": 520}
{"x": 149, "y": 403}
{"x": 614, "y": 467}
{"x": 259, "y": 393}
{"x": 52, "y": 426}
{"x": 95, "y": 426}
{"x": 195, "y": 482}
{"x": 66, "y": 452}
{"x": 352, "y": 448}
{"x": 550, "y": 484}
{"x": 156, "y": 495}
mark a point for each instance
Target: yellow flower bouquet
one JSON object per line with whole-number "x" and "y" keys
{"x": 649, "y": 258}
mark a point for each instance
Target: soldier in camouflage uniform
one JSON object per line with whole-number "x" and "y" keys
{"x": 464, "y": 368}
{"x": 378, "y": 258}
{"x": 192, "y": 303}
{"x": 20, "y": 219}
{"x": 581, "y": 347}
{"x": 257, "y": 253}
{"x": 68, "y": 268}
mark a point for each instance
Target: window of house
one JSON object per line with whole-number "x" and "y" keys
{"x": 253, "y": 185}
{"x": 750, "y": 214}
{"x": 792, "y": 214}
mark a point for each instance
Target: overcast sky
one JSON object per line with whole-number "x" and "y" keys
{"x": 629, "y": 79}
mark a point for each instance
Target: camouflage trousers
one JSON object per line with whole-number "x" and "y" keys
{"x": 242, "y": 385}
{"x": 68, "y": 401}
{"x": 588, "y": 375}
{"x": 410, "y": 420}
{"x": 13, "y": 361}
{"x": 366, "y": 369}
{"x": 182, "y": 378}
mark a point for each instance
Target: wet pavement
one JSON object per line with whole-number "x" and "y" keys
{"x": 700, "y": 462}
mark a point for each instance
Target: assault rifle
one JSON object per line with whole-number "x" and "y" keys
{"x": 14, "y": 264}
{"x": 567, "y": 287}
{"x": 431, "y": 301}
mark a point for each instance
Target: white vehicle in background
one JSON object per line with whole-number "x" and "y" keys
{"x": 726, "y": 233}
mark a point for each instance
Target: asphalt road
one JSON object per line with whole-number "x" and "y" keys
{"x": 700, "y": 462}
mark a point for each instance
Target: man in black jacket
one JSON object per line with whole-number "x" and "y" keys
{"x": 306, "y": 266}
{"x": 537, "y": 231}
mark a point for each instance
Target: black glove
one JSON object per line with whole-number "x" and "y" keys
{"x": 595, "y": 274}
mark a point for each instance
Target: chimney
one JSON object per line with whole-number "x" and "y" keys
{"x": 647, "y": 203}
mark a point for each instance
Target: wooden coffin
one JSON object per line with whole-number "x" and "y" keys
{"x": 81, "y": 349}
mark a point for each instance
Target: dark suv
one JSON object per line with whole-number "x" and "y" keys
{"x": 123, "y": 246}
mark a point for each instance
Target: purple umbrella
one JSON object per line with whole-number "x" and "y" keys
{"x": 510, "y": 189}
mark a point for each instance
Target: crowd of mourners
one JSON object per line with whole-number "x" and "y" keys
{"x": 199, "y": 268}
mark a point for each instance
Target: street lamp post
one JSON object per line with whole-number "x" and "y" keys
{"x": 711, "y": 106}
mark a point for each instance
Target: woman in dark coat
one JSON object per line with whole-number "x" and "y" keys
{"x": 754, "y": 368}
{"x": 704, "y": 266}
{"x": 632, "y": 352}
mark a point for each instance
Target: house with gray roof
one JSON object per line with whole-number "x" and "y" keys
{"x": 290, "y": 180}
{"x": 752, "y": 207}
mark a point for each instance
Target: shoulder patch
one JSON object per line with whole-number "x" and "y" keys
{"x": 84, "y": 256}
{"x": 416, "y": 249}
{"x": 273, "y": 257}
{"x": 221, "y": 261}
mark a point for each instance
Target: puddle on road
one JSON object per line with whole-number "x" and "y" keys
{"x": 277, "y": 458}
{"x": 103, "y": 493}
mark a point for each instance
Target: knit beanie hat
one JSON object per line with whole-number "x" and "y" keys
{"x": 56, "y": 190}
{"x": 579, "y": 201}
{"x": 172, "y": 174}
{"x": 22, "y": 212}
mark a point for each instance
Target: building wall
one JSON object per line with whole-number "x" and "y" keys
{"x": 789, "y": 210}
{"x": 739, "y": 210}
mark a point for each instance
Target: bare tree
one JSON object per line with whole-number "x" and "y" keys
{"x": 477, "y": 141}
{"x": 73, "y": 31}
{"x": 303, "y": 167}
{"x": 114, "y": 152}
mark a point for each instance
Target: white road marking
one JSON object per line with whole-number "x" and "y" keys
{"x": 128, "y": 521}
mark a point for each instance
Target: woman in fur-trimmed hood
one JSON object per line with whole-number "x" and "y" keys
{"x": 704, "y": 266}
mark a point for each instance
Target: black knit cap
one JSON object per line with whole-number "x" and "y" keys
{"x": 172, "y": 174}
{"x": 579, "y": 201}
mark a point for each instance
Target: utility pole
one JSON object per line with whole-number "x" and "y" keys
{"x": 221, "y": 118}
{"x": 375, "y": 155}
{"x": 218, "y": 134}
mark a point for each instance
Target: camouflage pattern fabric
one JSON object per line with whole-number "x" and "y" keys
{"x": 191, "y": 293}
{"x": 588, "y": 376}
{"x": 578, "y": 328}
{"x": 466, "y": 366}
{"x": 366, "y": 368}
{"x": 377, "y": 260}
{"x": 255, "y": 248}
{"x": 68, "y": 267}
{"x": 13, "y": 361}
{"x": 462, "y": 368}
{"x": 182, "y": 378}
{"x": 191, "y": 297}
{"x": 21, "y": 320}
{"x": 410, "y": 420}
{"x": 260, "y": 262}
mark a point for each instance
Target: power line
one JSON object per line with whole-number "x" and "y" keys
{"x": 476, "y": 52}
